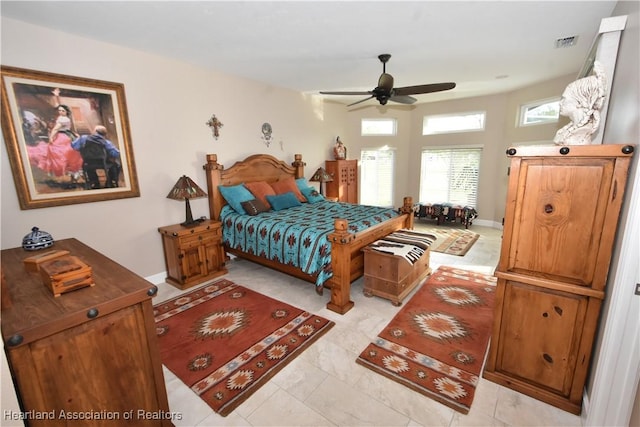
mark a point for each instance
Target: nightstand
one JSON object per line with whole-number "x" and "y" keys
{"x": 193, "y": 255}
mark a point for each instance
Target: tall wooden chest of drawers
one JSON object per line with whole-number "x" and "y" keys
{"x": 88, "y": 357}
{"x": 345, "y": 180}
{"x": 560, "y": 223}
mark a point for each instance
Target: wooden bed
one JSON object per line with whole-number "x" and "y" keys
{"x": 347, "y": 258}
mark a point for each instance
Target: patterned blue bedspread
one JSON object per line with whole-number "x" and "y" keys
{"x": 298, "y": 236}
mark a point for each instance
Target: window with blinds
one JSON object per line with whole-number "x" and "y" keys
{"x": 450, "y": 175}
{"x": 376, "y": 176}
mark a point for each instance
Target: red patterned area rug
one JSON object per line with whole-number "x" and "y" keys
{"x": 225, "y": 341}
{"x": 436, "y": 344}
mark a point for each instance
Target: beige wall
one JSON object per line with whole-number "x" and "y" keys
{"x": 168, "y": 103}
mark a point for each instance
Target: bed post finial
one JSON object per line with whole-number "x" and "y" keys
{"x": 299, "y": 165}
{"x": 407, "y": 208}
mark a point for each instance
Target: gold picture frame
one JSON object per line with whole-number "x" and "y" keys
{"x": 47, "y": 171}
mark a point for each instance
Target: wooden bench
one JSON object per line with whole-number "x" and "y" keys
{"x": 447, "y": 212}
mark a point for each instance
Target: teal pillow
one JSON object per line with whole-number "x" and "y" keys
{"x": 312, "y": 195}
{"x": 302, "y": 184}
{"x": 235, "y": 195}
{"x": 283, "y": 201}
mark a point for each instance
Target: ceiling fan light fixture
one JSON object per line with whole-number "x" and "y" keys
{"x": 385, "y": 91}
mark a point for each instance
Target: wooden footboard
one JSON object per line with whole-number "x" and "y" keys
{"x": 347, "y": 258}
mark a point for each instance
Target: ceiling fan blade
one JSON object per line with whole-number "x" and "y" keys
{"x": 416, "y": 90}
{"x": 344, "y": 93}
{"x": 403, "y": 99}
{"x": 362, "y": 100}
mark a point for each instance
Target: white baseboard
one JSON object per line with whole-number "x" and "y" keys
{"x": 487, "y": 223}
{"x": 158, "y": 278}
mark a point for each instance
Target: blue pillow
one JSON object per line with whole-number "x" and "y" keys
{"x": 302, "y": 184}
{"x": 283, "y": 201}
{"x": 312, "y": 195}
{"x": 235, "y": 195}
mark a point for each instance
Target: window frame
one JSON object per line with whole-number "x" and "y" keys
{"x": 362, "y": 172}
{"x": 523, "y": 107}
{"x": 392, "y": 120}
{"x": 451, "y": 148}
{"x": 451, "y": 115}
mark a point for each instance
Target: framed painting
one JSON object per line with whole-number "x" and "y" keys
{"x": 54, "y": 127}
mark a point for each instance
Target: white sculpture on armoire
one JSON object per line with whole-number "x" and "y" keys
{"x": 581, "y": 102}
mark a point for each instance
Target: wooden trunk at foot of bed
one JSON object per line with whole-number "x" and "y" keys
{"x": 347, "y": 258}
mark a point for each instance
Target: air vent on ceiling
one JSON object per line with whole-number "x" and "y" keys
{"x": 567, "y": 42}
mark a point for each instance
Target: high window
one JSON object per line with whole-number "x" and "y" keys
{"x": 377, "y": 166}
{"x": 539, "y": 112}
{"x": 450, "y": 175}
{"x": 378, "y": 127}
{"x": 449, "y": 123}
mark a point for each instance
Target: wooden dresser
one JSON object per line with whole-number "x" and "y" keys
{"x": 345, "y": 180}
{"x": 560, "y": 223}
{"x": 193, "y": 255}
{"x": 88, "y": 357}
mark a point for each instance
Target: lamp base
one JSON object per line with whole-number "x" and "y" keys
{"x": 193, "y": 223}
{"x": 190, "y": 222}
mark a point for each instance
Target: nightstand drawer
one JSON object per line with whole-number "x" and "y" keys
{"x": 199, "y": 239}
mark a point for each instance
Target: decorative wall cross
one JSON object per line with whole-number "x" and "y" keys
{"x": 215, "y": 126}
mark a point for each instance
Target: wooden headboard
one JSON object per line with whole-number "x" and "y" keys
{"x": 259, "y": 167}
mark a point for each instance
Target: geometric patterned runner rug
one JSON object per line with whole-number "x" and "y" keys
{"x": 436, "y": 344}
{"x": 450, "y": 240}
{"x": 224, "y": 341}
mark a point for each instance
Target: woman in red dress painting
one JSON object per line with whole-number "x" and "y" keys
{"x": 56, "y": 157}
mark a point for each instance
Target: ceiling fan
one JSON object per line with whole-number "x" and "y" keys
{"x": 386, "y": 92}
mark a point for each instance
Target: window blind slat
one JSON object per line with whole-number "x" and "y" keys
{"x": 450, "y": 176}
{"x": 376, "y": 177}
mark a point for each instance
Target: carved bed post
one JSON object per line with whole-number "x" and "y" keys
{"x": 340, "y": 282}
{"x": 299, "y": 165}
{"x": 213, "y": 169}
{"x": 407, "y": 207}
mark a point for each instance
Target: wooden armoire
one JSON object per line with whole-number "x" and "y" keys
{"x": 345, "y": 180}
{"x": 562, "y": 209}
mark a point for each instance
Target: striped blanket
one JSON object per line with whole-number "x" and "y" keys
{"x": 407, "y": 244}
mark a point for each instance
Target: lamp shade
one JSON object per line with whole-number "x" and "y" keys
{"x": 321, "y": 175}
{"x": 186, "y": 189}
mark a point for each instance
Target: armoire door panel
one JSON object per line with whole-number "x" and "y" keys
{"x": 539, "y": 334}
{"x": 562, "y": 209}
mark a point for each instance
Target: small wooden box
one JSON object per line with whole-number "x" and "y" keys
{"x": 33, "y": 262}
{"x": 65, "y": 274}
{"x": 392, "y": 277}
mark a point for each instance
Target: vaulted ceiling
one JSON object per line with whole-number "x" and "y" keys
{"x": 484, "y": 46}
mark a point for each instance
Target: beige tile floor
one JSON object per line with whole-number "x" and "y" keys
{"x": 325, "y": 387}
